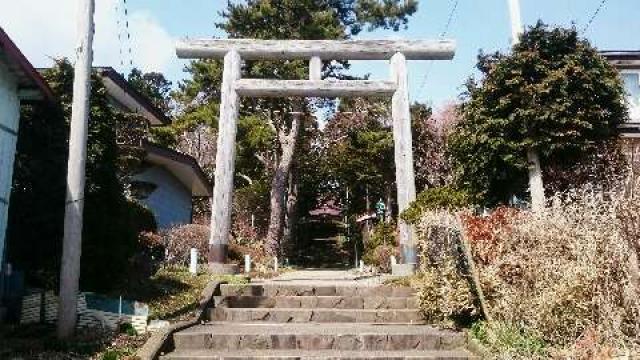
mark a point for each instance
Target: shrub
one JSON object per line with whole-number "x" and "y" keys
{"x": 556, "y": 276}
{"x": 127, "y": 328}
{"x": 381, "y": 246}
{"x": 444, "y": 197}
{"x": 565, "y": 271}
{"x": 509, "y": 342}
{"x": 148, "y": 257}
{"x": 483, "y": 231}
{"x": 380, "y": 257}
{"x": 445, "y": 296}
{"x": 444, "y": 291}
{"x": 179, "y": 241}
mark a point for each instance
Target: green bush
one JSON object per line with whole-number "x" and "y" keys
{"x": 506, "y": 341}
{"x": 444, "y": 197}
{"x": 111, "y": 355}
{"x": 381, "y": 246}
{"x": 128, "y": 329}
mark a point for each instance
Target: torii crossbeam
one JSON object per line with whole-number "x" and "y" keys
{"x": 233, "y": 51}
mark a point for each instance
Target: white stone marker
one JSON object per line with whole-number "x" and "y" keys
{"x": 193, "y": 264}
{"x": 247, "y": 264}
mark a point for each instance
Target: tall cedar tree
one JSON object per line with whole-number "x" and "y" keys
{"x": 554, "y": 94}
{"x": 284, "y": 19}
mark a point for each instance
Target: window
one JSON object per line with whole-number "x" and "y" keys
{"x": 632, "y": 86}
{"x": 141, "y": 190}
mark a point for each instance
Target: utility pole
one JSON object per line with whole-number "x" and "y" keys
{"x": 516, "y": 21}
{"x": 536, "y": 185}
{"x": 72, "y": 241}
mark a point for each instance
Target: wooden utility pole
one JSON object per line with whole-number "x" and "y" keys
{"x": 536, "y": 185}
{"x": 72, "y": 242}
{"x": 516, "y": 21}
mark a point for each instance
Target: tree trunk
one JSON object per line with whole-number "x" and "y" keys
{"x": 279, "y": 186}
{"x": 536, "y": 186}
{"x": 291, "y": 216}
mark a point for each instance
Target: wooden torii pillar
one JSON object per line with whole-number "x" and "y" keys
{"x": 233, "y": 51}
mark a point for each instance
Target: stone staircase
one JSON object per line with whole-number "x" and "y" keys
{"x": 286, "y": 321}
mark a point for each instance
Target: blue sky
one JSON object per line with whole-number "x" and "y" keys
{"x": 155, "y": 25}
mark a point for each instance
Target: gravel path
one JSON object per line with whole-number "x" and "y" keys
{"x": 322, "y": 277}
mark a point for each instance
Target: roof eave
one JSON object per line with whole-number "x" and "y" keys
{"x": 158, "y": 117}
{"x": 32, "y": 80}
{"x": 204, "y": 185}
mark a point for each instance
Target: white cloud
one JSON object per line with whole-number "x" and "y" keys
{"x": 45, "y": 29}
{"x": 153, "y": 46}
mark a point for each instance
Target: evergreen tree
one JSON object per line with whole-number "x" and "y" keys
{"x": 154, "y": 86}
{"x": 554, "y": 94}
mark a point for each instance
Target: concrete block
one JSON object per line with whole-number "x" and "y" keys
{"x": 403, "y": 269}
{"x": 223, "y": 269}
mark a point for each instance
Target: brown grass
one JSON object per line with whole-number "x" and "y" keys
{"x": 565, "y": 276}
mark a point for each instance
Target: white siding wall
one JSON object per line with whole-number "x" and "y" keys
{"x": 9, "y": 118}
{"x": 170, "y": 202}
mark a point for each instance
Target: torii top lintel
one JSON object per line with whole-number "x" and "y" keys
{"x": 252, "y": 49}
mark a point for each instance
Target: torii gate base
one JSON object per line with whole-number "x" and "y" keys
{"x": 233, "y": 86}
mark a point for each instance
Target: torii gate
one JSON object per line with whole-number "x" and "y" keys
{"x": 233, "y": 87}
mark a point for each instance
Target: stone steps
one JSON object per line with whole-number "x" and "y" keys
{"x": 318, "y": 355}
{"x": 274, "y": 290}
{"x": 326, "y": 320}
{"x": 316, "y": 336}
{"x": 319, "y": 315}
{"x": 312, "y": 302}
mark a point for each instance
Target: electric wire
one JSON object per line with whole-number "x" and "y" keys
{"x": 594, "y": 16}
{"x": 124, "y": 35}
{"x": 444, "y": 33}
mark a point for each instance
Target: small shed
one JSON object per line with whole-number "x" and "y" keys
{"x": 168, "y": 180}
{"x": 19, "y": 82}
{"x": 171, "y": 180}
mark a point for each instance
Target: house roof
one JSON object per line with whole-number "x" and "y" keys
{"x": 130, "y": 98}
{"x": 327, "y": 209}
{"x": 184, "y": 167}
{"x": 623, "y": 59}
{"x": 30, "y": 83}
{"x": 629, "y": 131}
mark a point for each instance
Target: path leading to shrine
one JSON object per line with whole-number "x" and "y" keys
{"x": 317, "y": 314}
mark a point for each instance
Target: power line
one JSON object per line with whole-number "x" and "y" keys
{"x": 444, "y": 33}
{"x": 450, "y": 19}
{"x": 124, "y": 34}
{"x": 594, "y": 16}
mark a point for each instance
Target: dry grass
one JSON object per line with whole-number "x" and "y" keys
{"x": 564, "y": 276}
{"x": 179, "y": 240}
